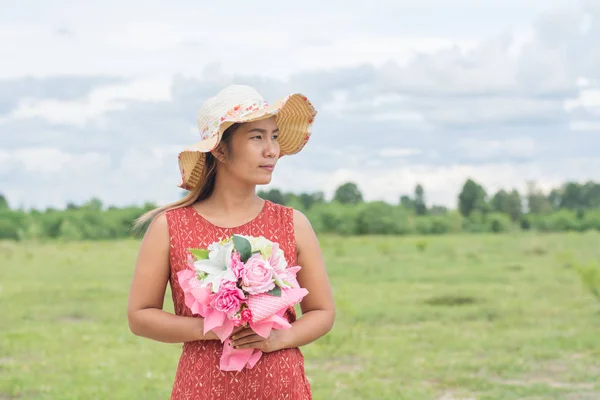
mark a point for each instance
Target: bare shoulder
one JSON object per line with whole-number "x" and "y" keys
{"x": 303, "y": 230}
{"x": 157, "y": 233}
{"x": 300, "y": 220}
{"x": 159, "y": 224}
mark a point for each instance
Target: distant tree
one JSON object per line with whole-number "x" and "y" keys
{"x": 406, "y": 202}
{"x": 94, "y": 204}
{"x": 471, "y": 198}
{"x": 576, "y": 196}
{"x": 573, "y": 196}
{"x": 438, "y": 210}
{"x": 591, "y": 194}
{"x": 507, "y": 203}
{"x": 273, "y": 195}
{"x": 3, "y": 202}
{"x": 420, "y": 206}
{"x": 348, "y": 193}
{"x": 555, "y": 198}
{"x": 310, "y": 199}
{"x": 537, "y": 201}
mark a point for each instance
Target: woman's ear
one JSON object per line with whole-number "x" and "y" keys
{"x": 220, "y": 152}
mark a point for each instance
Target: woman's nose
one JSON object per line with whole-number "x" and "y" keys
{"x": 271, "y": 148}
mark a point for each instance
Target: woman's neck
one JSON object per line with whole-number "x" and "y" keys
{"x": 232, "y": 196}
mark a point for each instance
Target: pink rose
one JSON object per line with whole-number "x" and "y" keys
{"x": 246, "y": 315}
{"x": 237, "y": 266}
{"x": 237, "y": 321}
{"x": 257, "y": 276}
{"x": 228, "y": 299}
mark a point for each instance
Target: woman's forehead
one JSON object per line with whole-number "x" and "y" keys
{"x": 268, "y": 124}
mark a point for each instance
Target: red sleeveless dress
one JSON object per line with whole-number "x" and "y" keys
{"x": 277, "y": 375}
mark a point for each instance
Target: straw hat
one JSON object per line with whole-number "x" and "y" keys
{"x": 294, "y": 115}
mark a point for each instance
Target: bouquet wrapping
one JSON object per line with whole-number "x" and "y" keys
{"x": 240, "y": 281}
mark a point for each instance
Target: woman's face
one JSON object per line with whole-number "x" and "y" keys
{"x": 253, "y": 152}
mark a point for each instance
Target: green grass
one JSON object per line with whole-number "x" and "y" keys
{"x": 448, "y": 317}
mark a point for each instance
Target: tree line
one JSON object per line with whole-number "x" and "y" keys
{"x": 571, "y": 207}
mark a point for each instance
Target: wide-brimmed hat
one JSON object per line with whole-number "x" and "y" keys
{"x": 294, "y": 115}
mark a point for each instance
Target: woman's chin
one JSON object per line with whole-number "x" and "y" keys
{"x": 264, "y": 181}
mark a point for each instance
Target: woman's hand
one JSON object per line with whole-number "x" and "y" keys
{"x": 248, "y": 339}
{"x": 210, "y": 335}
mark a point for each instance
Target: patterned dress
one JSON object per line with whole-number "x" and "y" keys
{"x": 277, "y": 375}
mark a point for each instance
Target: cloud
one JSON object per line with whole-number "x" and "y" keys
{"x": 58, "y": 88}
{"x": 395, "y": 109}
{"x": 98, "y": 101}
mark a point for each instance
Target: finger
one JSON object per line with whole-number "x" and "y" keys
{"x": 236, "y": 330}
{"x": 243, "y": 333}
{"x": 247, "y": 340}
{"x": 254, "y": 345}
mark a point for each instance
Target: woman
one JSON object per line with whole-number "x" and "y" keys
{"x": 242, "y": 138}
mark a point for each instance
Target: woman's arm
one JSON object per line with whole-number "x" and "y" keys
{"x": 147, "y": 293}
{"x": 318, "y": 309}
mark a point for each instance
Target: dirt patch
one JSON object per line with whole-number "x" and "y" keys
{"x": 545, "y": 381}
{"x": 554, "y": 374}
{"x": 454, "y": 396}
{"x": 451, "y": 300}
{"x": 345, "y": 365}
{"x": 74, "y": 317}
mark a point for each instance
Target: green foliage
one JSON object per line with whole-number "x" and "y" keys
{"x": 437, "y": 224}
{"x": 590, "y": 277}
{"x": 242, "y": 245}
{"x": 498, "y": 222}
{"x": 381, "y": 218}
{"x": 507, "y": 203}
{"x": 273, "y": 195}
{"x": 348, "y": 193}
{"x": 559, "y": 221}
{"x": 472, "y": 198}
{"x": 572, "y": 207}
{"x": 199, "y": 254}
{"x": 3, "y": 202}
{"x": 420, "y": 206}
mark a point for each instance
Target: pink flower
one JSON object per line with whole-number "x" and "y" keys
{"x": 228, "y": 299}
{"x": 257, "y": 276}
{"x": 190, "y": 261}
{"x": 277, "y": 260}
{"x": 237, "y": 266}
{"x": 237, "y": 321}
{"x": 246, "y": 315}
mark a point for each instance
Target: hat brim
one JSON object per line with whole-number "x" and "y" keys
{"x": 294, "y": 115}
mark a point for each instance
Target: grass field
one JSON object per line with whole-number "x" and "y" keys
{"x": 448, "y": 317}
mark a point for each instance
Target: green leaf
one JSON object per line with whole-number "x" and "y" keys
{"x": 200, "y": 254}
{"x": 242, "y": 245}
{"x": 275, "y": 292}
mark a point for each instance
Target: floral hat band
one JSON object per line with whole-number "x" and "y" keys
{"x": 294, "y": 115}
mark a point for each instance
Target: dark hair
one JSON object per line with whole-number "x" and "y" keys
{"x": 210, "y": 166}
{"x": 200, "y": 192}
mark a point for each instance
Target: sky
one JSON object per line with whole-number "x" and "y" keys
{"x": 97, "y": 100}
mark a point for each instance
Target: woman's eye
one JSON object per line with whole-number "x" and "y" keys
{"x": 275, "y": 137}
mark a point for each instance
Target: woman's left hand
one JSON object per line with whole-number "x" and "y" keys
{"x": 248, "y": 339}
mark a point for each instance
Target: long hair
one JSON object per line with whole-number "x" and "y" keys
{"x": 201, "y": 192}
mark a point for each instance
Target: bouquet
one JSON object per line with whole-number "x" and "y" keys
{"x": 240, "y": 281}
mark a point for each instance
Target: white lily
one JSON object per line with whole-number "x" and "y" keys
{"x": 217, "y": 266}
